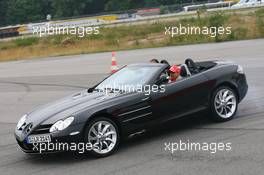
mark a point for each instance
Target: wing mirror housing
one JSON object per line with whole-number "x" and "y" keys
{"x": 90, "y": 90}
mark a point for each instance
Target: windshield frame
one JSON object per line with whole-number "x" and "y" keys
{"x": 150, "y": 81}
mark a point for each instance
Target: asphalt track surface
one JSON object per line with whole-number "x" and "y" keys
{"x": 26, "y": 84}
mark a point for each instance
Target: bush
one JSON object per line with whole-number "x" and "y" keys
{"x": 163, "y": 9}
{"x": 26, "y": 41}
{"x": 56, "y": 39}
{"x": 67, "y": 41}
{"x": 260, "y": 20}
{"x": 217, "y": 20}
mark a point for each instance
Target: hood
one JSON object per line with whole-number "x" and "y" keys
{"x": 65, "y": 107}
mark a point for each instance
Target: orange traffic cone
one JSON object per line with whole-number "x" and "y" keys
{"x": 114, "y": 67}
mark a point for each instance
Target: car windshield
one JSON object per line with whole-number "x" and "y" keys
{"x": 128, "y": 78}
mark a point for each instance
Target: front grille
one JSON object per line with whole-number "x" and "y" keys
{"x": 41, "y": 129}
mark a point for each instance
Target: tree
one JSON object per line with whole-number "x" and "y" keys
{"x": 22, "y": 11}
{"x": 151, "y": 3}
{"x": 3, "y": 4}
{"x": 116, "y": 5}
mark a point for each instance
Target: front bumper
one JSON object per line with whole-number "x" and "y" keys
{"x": 60, "y": 137}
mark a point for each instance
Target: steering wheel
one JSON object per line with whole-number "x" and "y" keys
{"x": 191, "y": 65}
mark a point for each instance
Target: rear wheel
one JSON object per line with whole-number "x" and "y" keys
{"x": 104, "y": 135}
{"x": 223, "y": 104}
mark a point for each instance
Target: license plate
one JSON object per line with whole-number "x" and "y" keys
{"x": 38, "y": 138}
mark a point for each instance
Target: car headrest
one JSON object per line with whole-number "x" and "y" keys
{"x": 183, "y": 71}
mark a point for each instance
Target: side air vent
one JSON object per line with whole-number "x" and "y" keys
{"x": 42, "y": 129}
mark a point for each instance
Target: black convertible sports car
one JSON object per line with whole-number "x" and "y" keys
{"x": 105, "y": 113}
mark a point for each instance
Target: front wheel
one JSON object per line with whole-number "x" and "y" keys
{"x": 104, "y": 135}
{"x": 223, "y": 104}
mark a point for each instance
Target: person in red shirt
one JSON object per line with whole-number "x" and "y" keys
{"x": 174, "y": 73}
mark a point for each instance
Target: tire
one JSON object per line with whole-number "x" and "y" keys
{"x": 106, "y": 141}
{"x": 223, "y": 104}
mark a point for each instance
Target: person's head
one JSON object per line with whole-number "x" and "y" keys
{"x": 175, "y": 72}
{"x": 154, "y": 60}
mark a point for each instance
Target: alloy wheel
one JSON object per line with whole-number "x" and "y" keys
{"x": 225, "y": 103}
{"x": 103, "y": 136}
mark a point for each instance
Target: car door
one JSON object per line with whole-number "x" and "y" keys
{"x": 136, "y": 112}
{"x": 178, "y": 98}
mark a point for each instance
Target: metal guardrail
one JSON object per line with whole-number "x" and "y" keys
{"x": 208, "y": 5}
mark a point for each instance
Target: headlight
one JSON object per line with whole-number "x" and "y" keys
{"x": 21, "y": 121}
{"x": 61, "y": 124}
{"x": 240, "y": 69}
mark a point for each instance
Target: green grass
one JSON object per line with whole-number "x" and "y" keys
{"x": 26, "y": 41}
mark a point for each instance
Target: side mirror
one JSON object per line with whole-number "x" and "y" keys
{"x": 90, "y": 90}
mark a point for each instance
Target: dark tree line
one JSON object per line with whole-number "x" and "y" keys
{"x": 23, "y": 11}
